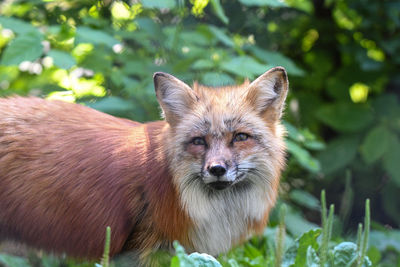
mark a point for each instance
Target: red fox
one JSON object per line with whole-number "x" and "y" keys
{"x": 207, "y": 175}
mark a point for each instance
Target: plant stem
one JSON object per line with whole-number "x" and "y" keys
{"x": 105, "y": 261}
{"x": 280, "y": 242}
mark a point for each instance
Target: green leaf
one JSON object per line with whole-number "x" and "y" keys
{"x": 18, "y": 26}
{"x": 62, "y": 59}
{"x": 274, "y": 59}
{"x": 221, "y": 36}
{"x": 112, "y": 105}
{"x": 13, "y": 261}
{"x": 375, "y": 144}
{"x": 305, "y": 199}
{"x": 345, "y": 117}
{"x": 244, "y": 66}
{"x": 308, "y": 239}
{"x": 98, "y": 37}
{"x": 219, "y": 11}
{"x": 203, "y": 64}
{"x": 204, "y": 260}
{"x": 159, "y": 4}
{"x": 272, "y": 3}
{"x": 181, "y": 258}
{"x": 344, "y": 254}
{"x": 26, "y": 47}
{"x": 391, "y": 159}
{"x": 296, "y": 224}
{"x": 303, "y": 157}
{"x": 216, "y": 79}
{"x": 338, "y": 153}
{"x": 312, "y": 259}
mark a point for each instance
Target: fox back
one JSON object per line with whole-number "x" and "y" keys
{"x": 206, "y": 176}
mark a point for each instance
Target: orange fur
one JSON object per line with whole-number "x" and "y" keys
{"x": 67, "y": 171}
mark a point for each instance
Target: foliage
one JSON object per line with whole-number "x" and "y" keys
{"x": 342, "y": 57}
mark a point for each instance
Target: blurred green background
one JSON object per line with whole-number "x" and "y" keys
{"x": 342, "y": 57}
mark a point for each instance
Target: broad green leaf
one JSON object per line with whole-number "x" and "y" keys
{"x": 159, "y": 4}
{"x": 62, "y": 59}
{"x": 216, "y": 79}
{"x": 307, "y": 240}
{"x": 26, "y": 47}
{"x": 312, "y": 259}
{"x": 345, "y": 117}
{"x": 384, "y": 240}
{"x": 18, "y": 26}
{"x": 297, "y": 225}
{"x": 305, "y": 199}
{"x": 181, "y": 259}
{"x": 204, "y": 260}
{"x": 374, "y": 255}
{"x": 293, "y": 132}
{"x": 274, "y": 58}
{"x": 272, "y": 3}
{"x": 244, "y": 66}
{"x": 303, "y": 156}
{"x": 13, "y": 261}
{"x": 221, "y": 36}
{"x": 112, "y": 105}
{"x": 98, "y": 37}
{"x": 219, "y": 11}
{"x": 203, "y": 64}
{"x": 391, "y": 159}
{"x": 344, "y": 254}
{"x": 375, "y": 144}
{"x": 338, "y": 153}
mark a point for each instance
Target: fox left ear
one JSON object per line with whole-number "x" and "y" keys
{"x": 175, "y": 97}
{"x": 268, "y": 92}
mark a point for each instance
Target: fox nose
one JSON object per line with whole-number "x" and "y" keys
{"x": 217, "y": 170}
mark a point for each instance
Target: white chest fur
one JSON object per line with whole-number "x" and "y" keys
{"x": 222, "y": 219}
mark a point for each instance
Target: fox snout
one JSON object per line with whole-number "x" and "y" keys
{"x": 218, "y": 175}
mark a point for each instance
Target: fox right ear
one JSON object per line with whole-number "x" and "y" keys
{"x": 175, "y": 97}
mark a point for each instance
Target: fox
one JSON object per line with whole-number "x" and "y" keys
{"x": 206, "y": 175}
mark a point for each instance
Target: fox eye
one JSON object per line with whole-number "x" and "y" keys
{"x": 240, "y": 137}
{"x": 198, "y": 141}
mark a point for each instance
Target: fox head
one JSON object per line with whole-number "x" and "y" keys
{"x": 225, "y": 138}
{"x": 225, "y": 145}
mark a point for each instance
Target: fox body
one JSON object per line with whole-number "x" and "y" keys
{"x": 206, "y": 176}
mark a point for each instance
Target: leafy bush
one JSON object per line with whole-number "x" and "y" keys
{"x": 343, "y": 115}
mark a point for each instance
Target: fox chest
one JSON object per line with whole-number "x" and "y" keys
{"x": 221, "y": 223}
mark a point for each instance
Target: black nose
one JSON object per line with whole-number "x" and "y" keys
{"x": 217, "y": 170}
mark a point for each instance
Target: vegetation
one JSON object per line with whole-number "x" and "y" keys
{"x": 342, "y": 117}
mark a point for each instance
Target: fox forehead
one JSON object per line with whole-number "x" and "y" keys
{"x": 219, "y": 111}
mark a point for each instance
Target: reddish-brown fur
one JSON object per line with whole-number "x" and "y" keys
{"x": 67, "y": 172}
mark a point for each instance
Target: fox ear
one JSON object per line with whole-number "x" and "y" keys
{"x": 268, "y": 92}
{"x": 175, "y": 97}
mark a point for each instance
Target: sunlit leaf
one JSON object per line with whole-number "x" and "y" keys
{"x": 26, "y": 47}
{"x": 62, "y": 59}
{"x": 244, "y": 66}
{"x": 89, "y": 35}
{"x": 217, "y": 79}
{"x": 18, "y": 26}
